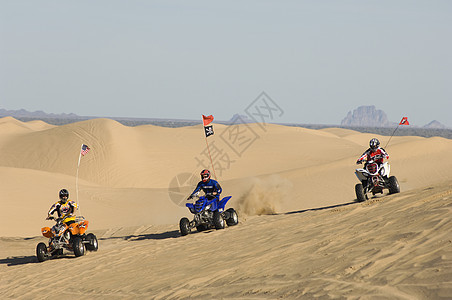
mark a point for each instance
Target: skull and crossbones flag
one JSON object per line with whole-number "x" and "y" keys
{"x": 208, "y": 129}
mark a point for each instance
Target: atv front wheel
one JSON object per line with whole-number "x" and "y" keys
{"x": 360, "y": 195}
{"x": 233, "y": 218}
{"x": 184, "y": 226}
{"x": 92, "y": 244}
{"x": 394, "y": 186}
{"x": 41, "y": 252}
{"x": 78, "y": 246}
{"x": 218, "y": 220}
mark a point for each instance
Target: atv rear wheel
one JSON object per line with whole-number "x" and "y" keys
{"x": 41, "y": 252}
{"x": 233, "y": 218}
{"x": 184, "y": 226}
{"x": 92, "y": 244}
{"x": 78, "y": 247}
{"x": 360, "y": 195}
{"x": 394, "y": 186}
{"x": 218, "y": 220}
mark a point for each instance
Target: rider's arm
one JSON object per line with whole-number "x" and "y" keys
{"x": 198, "y": 187}
{"x": 52, "y": 210}
{"x": 73, "y": 206}
{"x": 384, "y": 153}
{"x": 218, "y": 188}
{"x": 362, "y": 157}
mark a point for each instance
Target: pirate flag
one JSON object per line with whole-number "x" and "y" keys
{"x": 208, "y": 129}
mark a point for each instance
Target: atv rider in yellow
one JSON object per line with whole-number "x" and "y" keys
{"x": 65, "y": 208}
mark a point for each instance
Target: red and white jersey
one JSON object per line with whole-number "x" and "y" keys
{"x": 377, "y": 156}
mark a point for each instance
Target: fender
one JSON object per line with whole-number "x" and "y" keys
{"x": 361, "y": 174}
{"x": 387, "y": 168}
{"x": 222, "y": 203}
{"x": 191, "y": 207}
{"x": 83, "y": 226}
{"x": 47, "y": 232}
{"x": 78, "y": 228}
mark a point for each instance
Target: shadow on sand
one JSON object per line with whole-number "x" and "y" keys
{"x": 150, "y": 236}
{"x": 18, "y": 260}
{"x": 24, "y": 260}
{"x": 320, "y": 208}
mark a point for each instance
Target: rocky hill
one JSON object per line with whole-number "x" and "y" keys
{"x": 435, "y": 125}
{"x": 366, "y": 116}
{"x": 35, "y": 114}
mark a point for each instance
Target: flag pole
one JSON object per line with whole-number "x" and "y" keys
{"x": 392, "y": 136}
{"x": 211, "y": 161}
{"x": 404, "y": 121}
{"x": 76, "y": 179}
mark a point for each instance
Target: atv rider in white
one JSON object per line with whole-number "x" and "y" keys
{"x": 210, "y": 187}
{"x": 374, "y": 153}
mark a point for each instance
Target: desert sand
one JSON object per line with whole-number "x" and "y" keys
{"x": 301, "y": 234}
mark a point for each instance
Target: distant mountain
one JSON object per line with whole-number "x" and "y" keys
{"x": 21, "y": 113}
{"x": 366, "y": 116}
{"x": 435, "y": 125}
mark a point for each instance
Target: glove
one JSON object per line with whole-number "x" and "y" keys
{"x": 190, "y": 197}
{"x": 358, "y": 162}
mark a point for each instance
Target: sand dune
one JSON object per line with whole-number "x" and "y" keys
{"x": 395, "y": 247}
{"x": 300, "y": 233}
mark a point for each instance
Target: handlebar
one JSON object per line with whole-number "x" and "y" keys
{"x": 193, "y": 196}
{"x": 197, "y": 195}
{"x": 358, "y": 162}
{"x": 58, "y": 219}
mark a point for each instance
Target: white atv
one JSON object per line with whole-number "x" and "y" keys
{"x": 374, "y": 179}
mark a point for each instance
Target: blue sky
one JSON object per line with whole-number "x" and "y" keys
{"x": 317, "y": 60}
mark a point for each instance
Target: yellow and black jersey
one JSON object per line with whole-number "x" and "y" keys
{"x": 64, "y": 210}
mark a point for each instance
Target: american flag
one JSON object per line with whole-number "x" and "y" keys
{"x": 85, "y": 149}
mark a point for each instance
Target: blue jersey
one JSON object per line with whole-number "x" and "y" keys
{"x": 208, "y": 187}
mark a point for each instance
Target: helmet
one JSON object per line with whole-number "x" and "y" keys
{"x": 374, "y": 144}
{"x": 205, "y": 175}
{"x": 64, "y": 193}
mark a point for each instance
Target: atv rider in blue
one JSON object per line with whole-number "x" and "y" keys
{"x": 210, "y": 187}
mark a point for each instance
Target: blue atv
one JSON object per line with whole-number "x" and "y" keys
{"x": 208, "y": 214}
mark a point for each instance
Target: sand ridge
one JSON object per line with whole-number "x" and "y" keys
{"x": 301, "y": 233}
{"x": 394, "y": 247}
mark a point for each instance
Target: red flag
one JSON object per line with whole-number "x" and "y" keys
{"x": 207, "y": 120}
{"x": 404, "y": 121}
